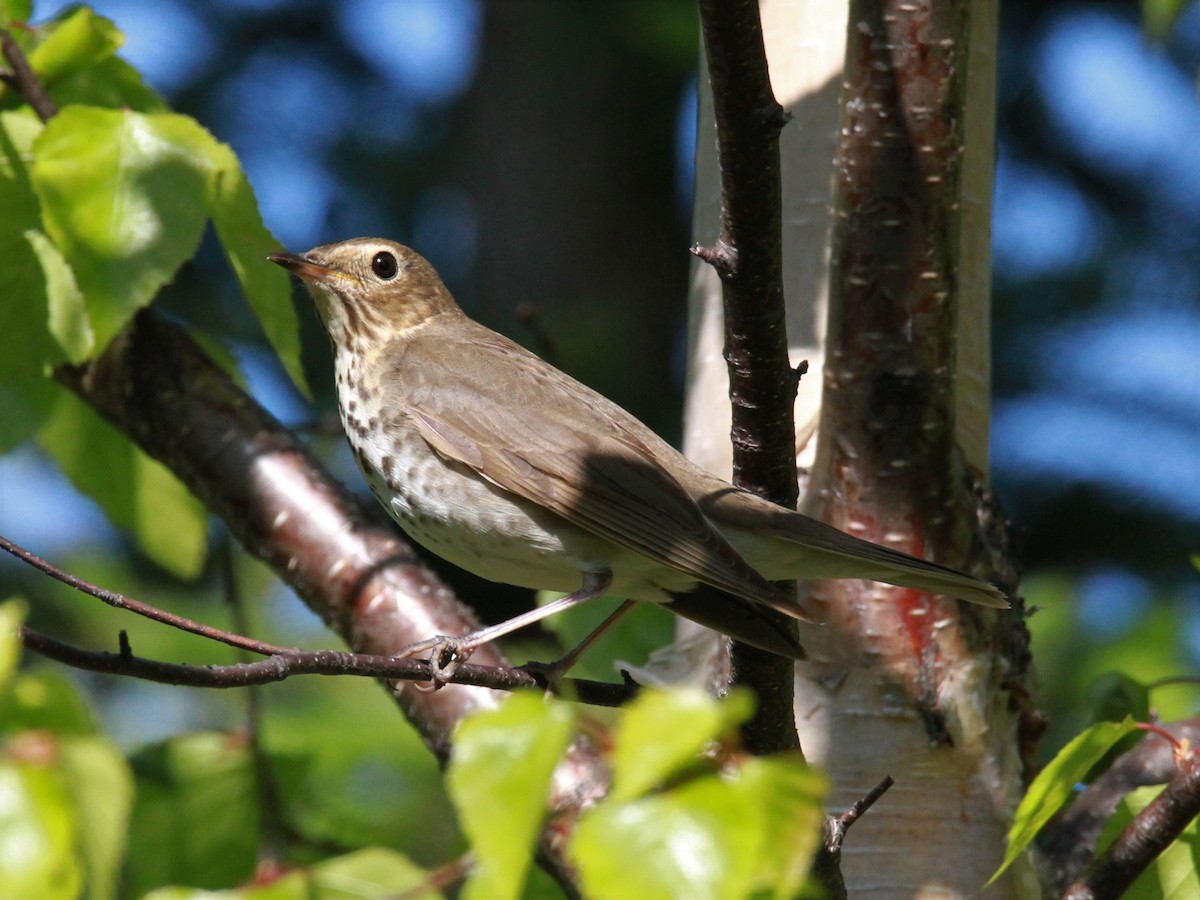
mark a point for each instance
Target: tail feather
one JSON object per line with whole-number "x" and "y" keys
{"x": 758, "y": 529}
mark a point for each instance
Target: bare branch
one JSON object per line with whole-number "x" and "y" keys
{"x": 748, "y": 257}
{"x": 23, "y": 78}
{"x": 1145, "y": 838}
{"x": 288, "y": 663}
{"x": 1067, "y": 846}
{"x": 120, "y": 601}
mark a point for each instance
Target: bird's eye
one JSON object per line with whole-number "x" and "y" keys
{"x": 384, "y": 265}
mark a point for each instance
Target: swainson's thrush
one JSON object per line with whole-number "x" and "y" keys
{"x": 500, "y": 463}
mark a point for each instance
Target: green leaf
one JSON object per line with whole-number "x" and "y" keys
{"x": 369, "y": 873}
{"x": 24, "y": 406}
{"x": 1114, "y": 695}
{"x": 101, "y": 786}
{"x": 26, "y": 343}
{"x": 12, "y": 615}
{"x": 137, "y": 493}
{"x": 37, "y": 831}
{"x": 364, "y": 875}
{"x": 700, "y": 840}
{"x": 45, "y": 701}
{"x": 498, "y": 778}
{"x": 78, "y": 40}
{"x": 1175, "y": 873}
{"x": 789, "y": 798}
{"x": 196, "y": 814}
{"x": 16, "y": 10}
{"x": 662, "y": 731}
{"x": 749, "y": 831}
{"x": 246, "y": 242}
{"x": 1055, "y": 784}
{"x": 68, "y": 312}
{"x": 1159, "y": 17}
{"x": 111, "y": 83}
{"x": 124, "y": 197}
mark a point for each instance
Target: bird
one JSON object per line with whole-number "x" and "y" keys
{"x": 498, "y": 462}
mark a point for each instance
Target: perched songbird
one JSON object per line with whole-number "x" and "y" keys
{"x": 500, "y": 463}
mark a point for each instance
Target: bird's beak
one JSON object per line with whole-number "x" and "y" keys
{"x": 305, "y": 268}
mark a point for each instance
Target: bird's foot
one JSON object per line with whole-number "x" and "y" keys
{"x": 549, "y": 674}
{"x": 446, "y": 654}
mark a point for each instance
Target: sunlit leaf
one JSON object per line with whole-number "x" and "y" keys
{"x": 101, "y": 788}
{"x": 498, "y": 777}
{"x": 78, "y": 40}
{"x": 16, "y": 10}
{"x": 68, "y": 312}
{"x": 37, "y": 831}
{"x": 661, "y": 731}
{"x": 124, "y": 197}
{"x": 374, "y": 872}
{"x": 12, "y": 614}
{"x": 26, "y": 343}
{"x": 1175, "y": 873}
{"x": 699, "y": 840}
{"x": 246, "y": 242}
{"x": 1055, "y": 785}
{"x": 46, "y": 700}
{"x": 137, "y": 493}
{"x": 789, "y": 797}
{"x": 111, "y": 83}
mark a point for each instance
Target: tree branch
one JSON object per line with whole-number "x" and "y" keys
{"x": 23, "y": 78}
{"x": 748, "y": 257}
{"x": 120, "y": 601}
{"x": 1145, "y": 838}
{"x": 1067, "y": 846}
{"x": 282, "y": 662}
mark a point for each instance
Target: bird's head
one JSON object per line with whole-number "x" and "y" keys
{"x": 369, "y": 290}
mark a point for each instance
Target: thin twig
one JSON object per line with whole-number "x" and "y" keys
{"x": 25, "y": 79}
{"x": 852, "y": 815}
{"x": 289, "y": 663}
{"x": 120, "y": 601}
{"x": 272, "y": 848}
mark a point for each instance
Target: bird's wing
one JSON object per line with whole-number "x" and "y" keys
{"x": 543, "y": 436}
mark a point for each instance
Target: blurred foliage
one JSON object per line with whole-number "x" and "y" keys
{"x": 553, "y": 169}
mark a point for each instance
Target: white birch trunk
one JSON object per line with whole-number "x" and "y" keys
{"x": 940, "y": 831}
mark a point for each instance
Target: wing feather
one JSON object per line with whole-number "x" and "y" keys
{"x": 549, "y": 439}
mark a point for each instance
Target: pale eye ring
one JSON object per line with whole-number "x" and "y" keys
{"x": 384, "y": 265}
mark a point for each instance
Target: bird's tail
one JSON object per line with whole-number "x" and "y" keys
{"x": 782, "y": 544}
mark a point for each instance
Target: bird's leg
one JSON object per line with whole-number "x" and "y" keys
{"x": 553, "y": 671}
{"x": 448, "y": 653}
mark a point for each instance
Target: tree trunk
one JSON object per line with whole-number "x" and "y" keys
{"x": 892, "y": 441}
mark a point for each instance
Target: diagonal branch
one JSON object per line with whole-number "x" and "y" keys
{"x": 120, "y": 601}
{"x": 1145, "y": 838}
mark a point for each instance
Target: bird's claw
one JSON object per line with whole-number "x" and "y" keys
{"x": 446, "y": 654}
